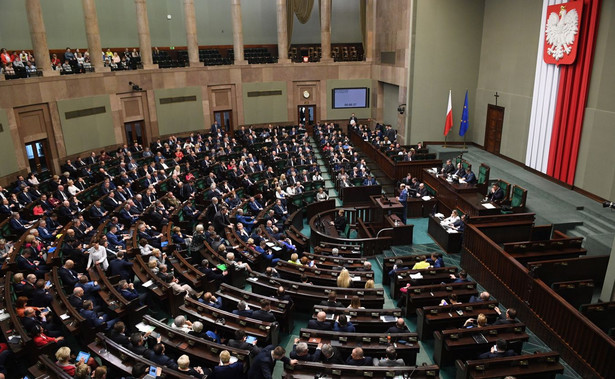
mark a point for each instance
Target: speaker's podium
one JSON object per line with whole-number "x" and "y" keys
{"x": 387, "y": 219}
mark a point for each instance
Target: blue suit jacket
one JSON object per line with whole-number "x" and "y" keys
{"x": 263, "y": 364}
{"x": 234, "y": 370}
{"x": 91, "y": 317}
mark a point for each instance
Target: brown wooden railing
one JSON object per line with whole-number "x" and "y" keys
{"x": 581, "y": 343}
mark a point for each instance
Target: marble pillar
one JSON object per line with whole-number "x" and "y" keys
{"x": 282, "y": 32}
{"x": 325, "y": 31}
{"x": 39, "y": 37}
{"x": 237, "y": 32}
{"x": 145, "y": 42}
{"x": 92, "y": 33}
{"x": 191, "y": 35}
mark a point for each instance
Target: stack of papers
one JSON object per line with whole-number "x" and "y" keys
{"x": 488, "y": 205}
{"x": 144, "y": 328}
{"x": 416, "y": 276}
{"x": 148, "y": 284}
{"x": 426, "y": 198}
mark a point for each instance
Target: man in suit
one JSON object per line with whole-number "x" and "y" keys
{"x": 31, "y": 320}
{"x": 76, "y": 298}
{"x": 331, "y": 301}
{"x": 320, "y": 323}
{"x": 117, "y": 334}
{"x": 138, "y": 344}
{"x": 343, "y": 325}
{"x": 239, "y": 342}
{"x": 390, "y": 360}
{"x": 357, "y": 358}
{"x": 160, "y": 358}
{"x": 44, "y": 233}
{"x": 242, "y": 309}
{"x": 483, "y": 296}
{"x": 211, "y": 273}
{"x": 221, "y": 221}
{"x": 469, "y": 176}
{"x": 17, "y": 224}
{"x": 121, "y": 267}
{"x": 496, "y": 194}
{"x": 509, "y": 318}
{"x": 41, "y": 297}
{"x": 498, "y": 351}
{"x": 254, "y": 206}
{"x": 264, "y": 314}
{"x": 263, "y": 364}
{"x": 94, "y": 319}
{"x": 226, "y": 369}
{"x": 242, "y": 233}
{"x": 399, "y": 327}
{"x": 448, "y": 168}
{"x": 340, "y": 222}
{"x": 302, "y": 353}
{"x": 68, "y": 276}
{"x": 26, "y": 262}
{"x": 331, "y": 355}
{"x": 353, "y": 120}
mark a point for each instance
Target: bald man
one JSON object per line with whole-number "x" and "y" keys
{"x": 320, "y": 323}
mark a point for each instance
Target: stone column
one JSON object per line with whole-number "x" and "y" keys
{"x": 191, "y": 36}
{"x": 282, "y": 32}
{"x": 93, "y": 35}
{"x": 370, "y": 30}
{"x": 38, "y": 35}
{"x": 325, "y": 31}
{"x": 145, "y": 42}
{"x": 237, "y": 32}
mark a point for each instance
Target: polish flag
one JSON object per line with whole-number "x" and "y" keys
{"x": 449, "y": 115}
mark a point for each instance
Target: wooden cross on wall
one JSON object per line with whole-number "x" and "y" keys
{"x": 496, "y": 98}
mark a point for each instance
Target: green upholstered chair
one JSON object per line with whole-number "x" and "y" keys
{"x": 505, "y": 186}
{"x": 518, "y": 198}
{"x": 483, "y": 178}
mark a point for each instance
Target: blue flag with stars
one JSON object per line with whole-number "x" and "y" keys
{"x": 463, "y": 127}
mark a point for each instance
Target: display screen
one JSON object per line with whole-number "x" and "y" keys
{"x": 350, "y": 98}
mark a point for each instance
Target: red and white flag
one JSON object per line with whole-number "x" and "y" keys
{"x": 449, "y": 115}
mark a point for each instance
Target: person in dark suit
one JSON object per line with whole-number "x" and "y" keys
{"x": 320, "y": 323}
{"x": 242, "y": 309}
{"x": 117, "y": 334}
{"x": 390, "y": 360}
{"x": 93, "y": 319}
{"x": 41, "y": 297}
{"x": 30, "y": 321}
{"x": 160, "y": 358}
{"x": 264, "y": 314}
{"x": 357, "y": 358}
{"x": 469, "y": 176}
{"x": 221, "y": 221}
{"x": 138, "y": 344}
{"x": 498, "y": 351}
{"x": 496, "y": 194}
{"x": 399, "y": 327}
{"x": 226, "y": 369}
{"x": 343, "y": 325}
{"x": 331, "y": 301}
{"x": 121, "y": 267}
{"x": 17, "y": 224}
{"x": 510, "y": 317}
{"x": 76, "y": 298}
{"x": 483, "y": 296}
{"x": 340, "y": 222}
{"x": 239, "y": 342}
{"x": 263, "y": 364}
{"x": 26, "y": 262}
{"x": 211, "y": 273}
{"x": 448, "y": 168}
{"x": 301, "y": 352}
{"x": 331, "y": 355}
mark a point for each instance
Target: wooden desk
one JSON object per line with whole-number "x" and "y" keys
{"x": 384, "y": 206}
{"x": 437, "y": 317}
{"x": 449, "y": 242}
{"x": 463, "y": 196}
{"x": 537, "y": 365}
{"x": 453, "y": 344}
{"x": 310, "y": 370}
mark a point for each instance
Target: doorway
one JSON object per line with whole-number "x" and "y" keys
{"x": 225, "y": 120}
{"x": 134, "y": 132}
{"x": 307, "y": 114}
{"x": 493, "y": 128}
{"x": 37, "y": 153}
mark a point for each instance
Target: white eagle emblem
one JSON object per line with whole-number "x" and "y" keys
{"x": 561, "y": 31}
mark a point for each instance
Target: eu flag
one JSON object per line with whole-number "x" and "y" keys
{"x": 463, "y": 127}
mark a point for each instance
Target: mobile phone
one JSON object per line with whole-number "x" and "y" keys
{"x": 152, "y": 371}
{"x": 48, "y": 284}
